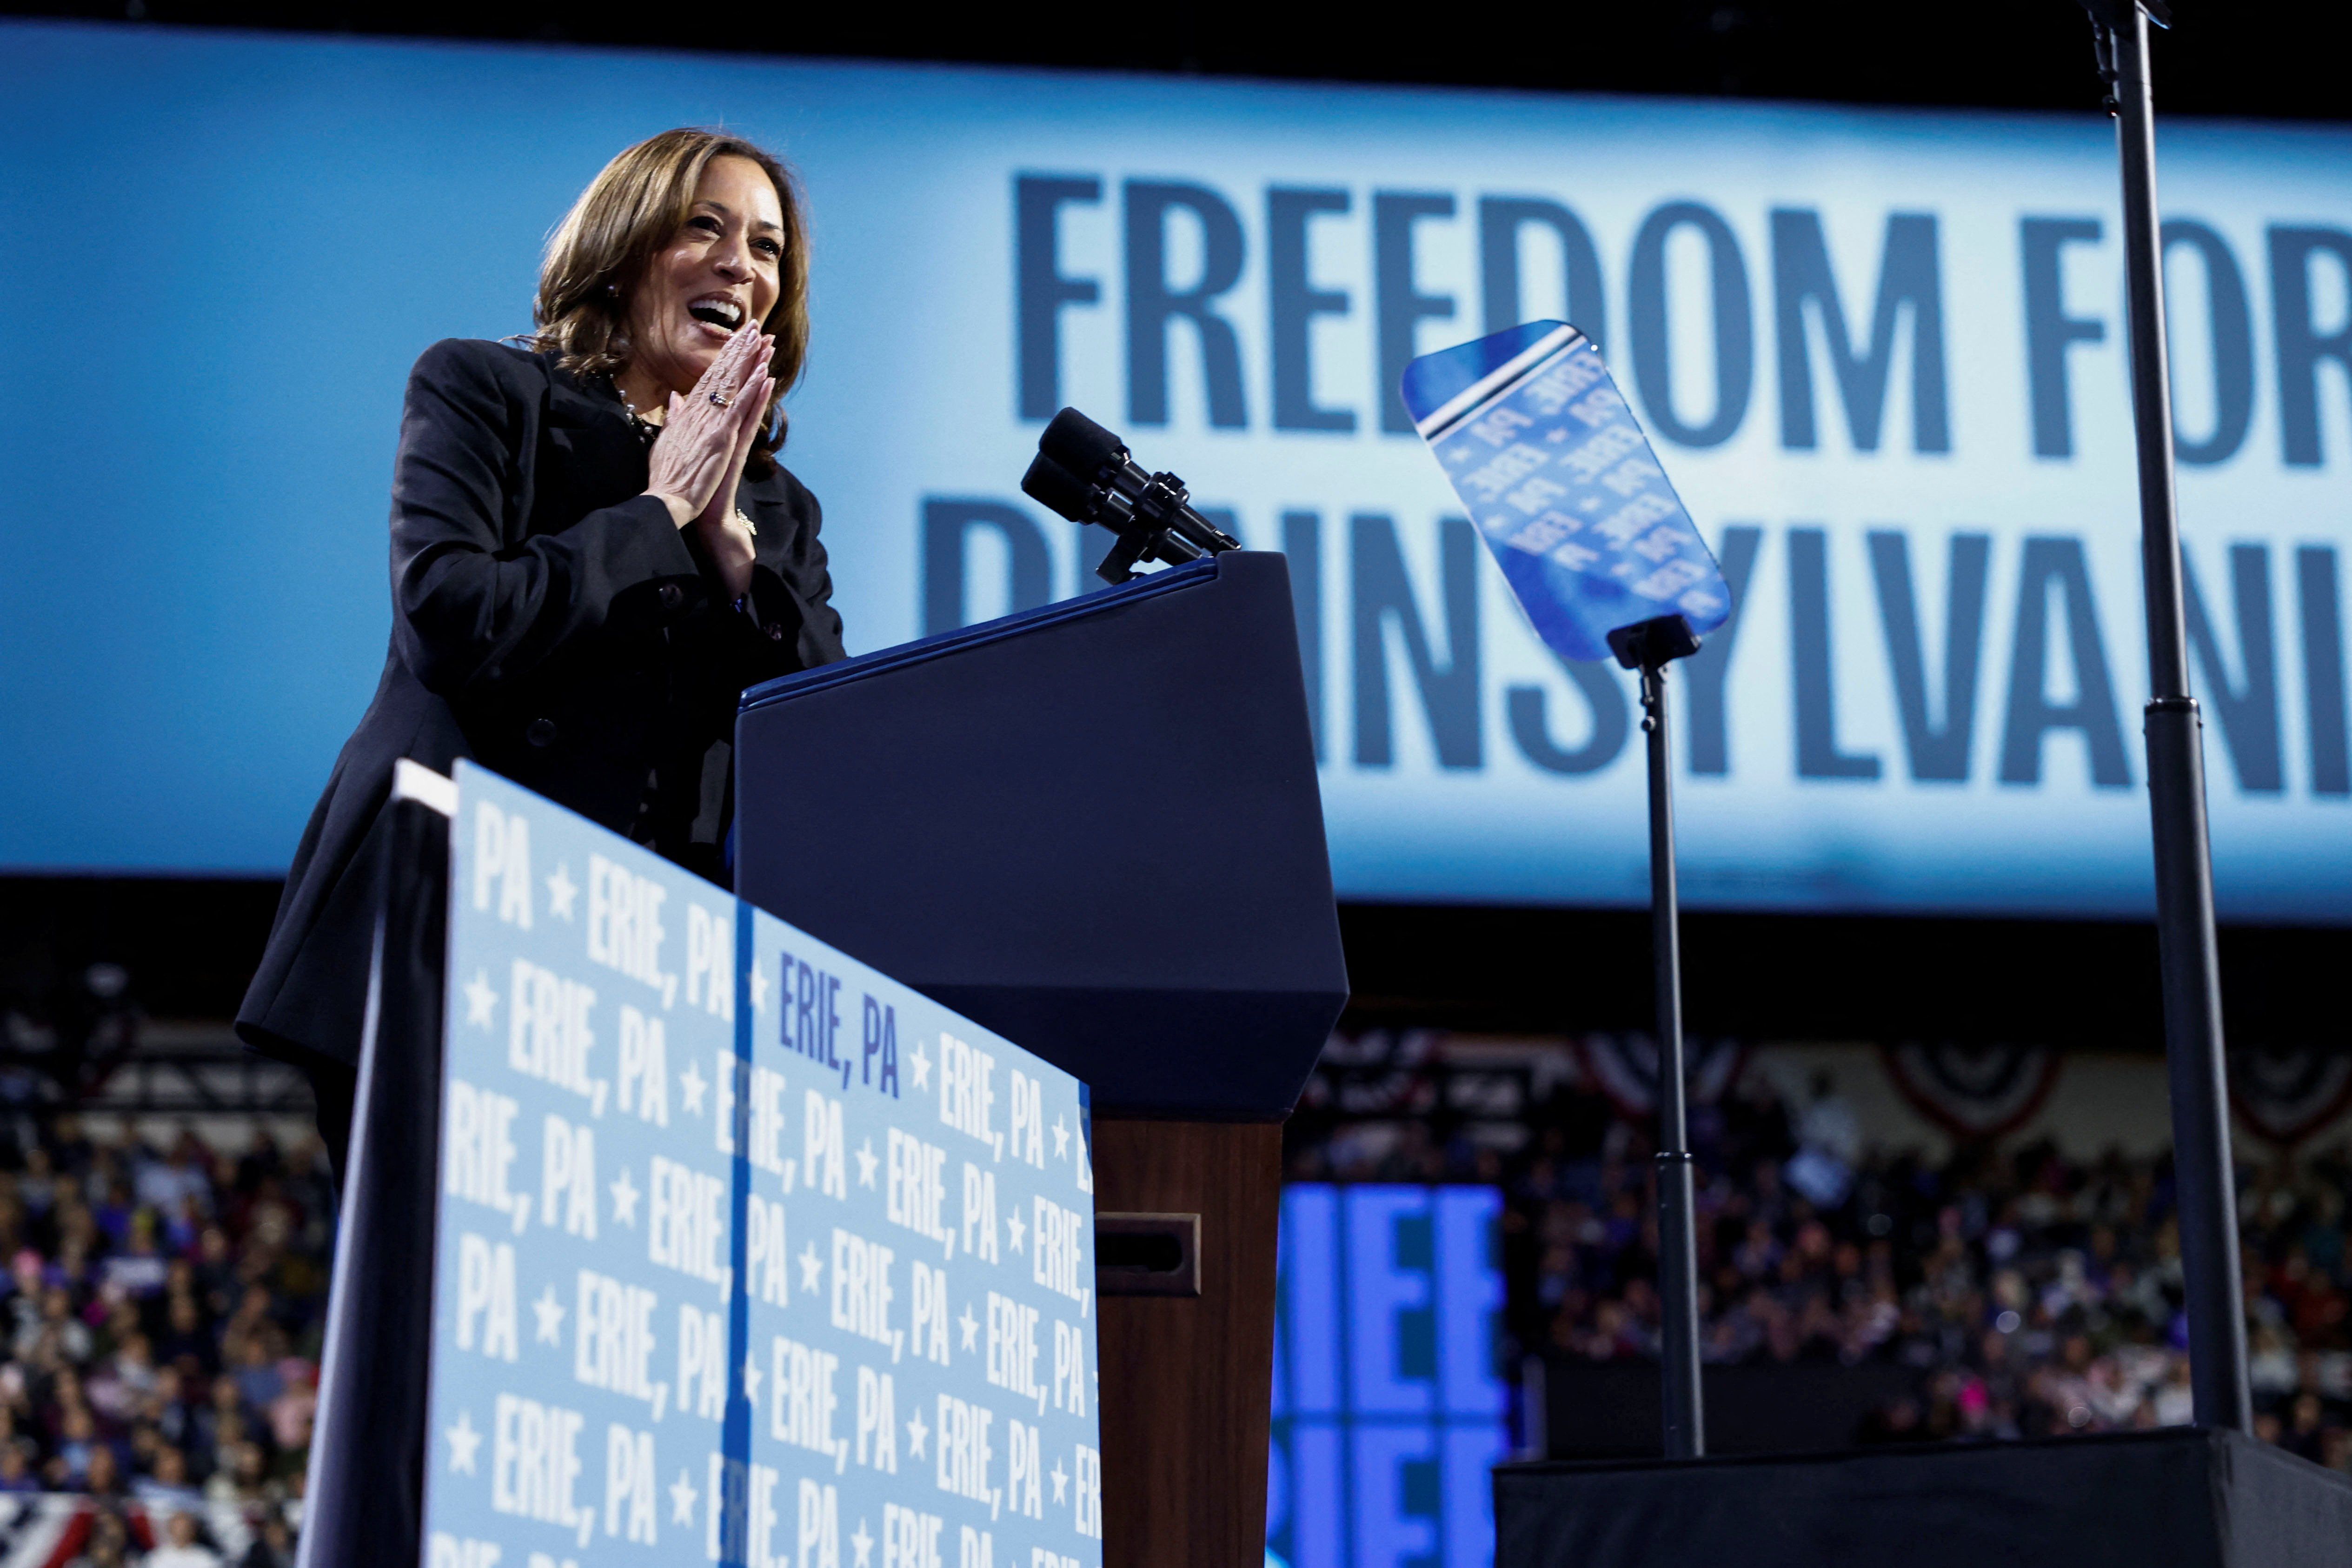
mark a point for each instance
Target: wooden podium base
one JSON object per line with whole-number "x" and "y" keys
{"x": 1187, "y": 1379}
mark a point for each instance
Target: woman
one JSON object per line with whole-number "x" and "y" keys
{"x": 594, "y": 551}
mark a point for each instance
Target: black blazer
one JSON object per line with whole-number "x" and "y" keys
{"x": 550, "y": 621}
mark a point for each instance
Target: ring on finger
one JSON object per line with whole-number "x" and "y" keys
{"x": 720, "y": 399}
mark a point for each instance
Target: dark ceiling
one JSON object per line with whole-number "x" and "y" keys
{"x": 2242, "y": 57}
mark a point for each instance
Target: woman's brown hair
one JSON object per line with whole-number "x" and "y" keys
{"x": 629, "y": 212}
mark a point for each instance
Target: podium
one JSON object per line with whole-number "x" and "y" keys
{"x": 1095, "y": 829}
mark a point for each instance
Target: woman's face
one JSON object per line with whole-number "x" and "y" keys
{"x": 720, "y": 270}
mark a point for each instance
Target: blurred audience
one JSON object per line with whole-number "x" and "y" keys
{"x": 160, "y": 1312}
{"x": 2033, "y": 1294}
{"x": 160, "y": 1308}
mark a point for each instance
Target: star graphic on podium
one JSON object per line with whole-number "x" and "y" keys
{"x": 551, "y": 1317}
{"x": 863, "y": 1544}
{"x": 971, "y": 1326}
{"x": 922, "y": 1067}
{"x": 1018, "y": 1229}
{"x": 916, "y": 1436}
{"x": 751, "y": 1380}
{"x": 1061, "y": 1479}
{"x": 624, "y": 1199}
{"x": 560, "y": 891}
{"x": 812, "y": 1267}
{"x": 682, "y": 1495}
{"x": 1061, "y": 1137}
{"x": 759, "y": 987}
{"x": 464, "y": 1442}
{"x": 691, "y": 1083}
{"x": 865, "y": 1163}
{"x": 481, "y": 1001}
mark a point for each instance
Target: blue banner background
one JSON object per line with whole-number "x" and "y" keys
{"x": 1879, "y": 352}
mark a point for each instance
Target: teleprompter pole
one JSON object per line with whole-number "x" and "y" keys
{"x": 2202, "y": 1168}
{"x": 1649, "y": 647}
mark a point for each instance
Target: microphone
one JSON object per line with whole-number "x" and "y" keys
{"x": 1086, "y": 473}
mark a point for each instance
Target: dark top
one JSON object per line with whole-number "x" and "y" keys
{"x": 550, "y": 621}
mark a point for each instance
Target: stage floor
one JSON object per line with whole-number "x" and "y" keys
{"x": 2180, "y": 1498}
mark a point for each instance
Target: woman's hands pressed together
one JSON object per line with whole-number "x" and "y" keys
{"x": 706, "y": 437}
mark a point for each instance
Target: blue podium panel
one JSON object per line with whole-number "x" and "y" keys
{"x": 745, "y": 1253}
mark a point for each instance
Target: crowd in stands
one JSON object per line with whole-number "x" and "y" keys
{"x": 162, "y": 1307}
{"x": 2033, "y": 1295}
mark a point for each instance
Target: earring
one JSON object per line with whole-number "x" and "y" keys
{"x": 611, "y": 290}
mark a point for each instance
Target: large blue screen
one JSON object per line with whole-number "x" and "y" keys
{"x": 1880, "y": 353}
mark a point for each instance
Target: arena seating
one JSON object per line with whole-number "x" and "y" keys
{"x": 2024, "y": 1294}
{"x": 162, "y": 1307}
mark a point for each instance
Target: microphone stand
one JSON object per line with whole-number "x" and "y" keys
{"x": 1649, "y": 646}
{"x": 2202, "y": 1167}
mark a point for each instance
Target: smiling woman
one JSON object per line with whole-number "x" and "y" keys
{"x": 594, "y": 551}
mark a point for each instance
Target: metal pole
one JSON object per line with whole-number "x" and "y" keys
{"x": 1685, "y": 1432}
{"x": 2202, "y": 1170}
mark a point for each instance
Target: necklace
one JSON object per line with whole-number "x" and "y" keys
{"x": 645, "y": 427}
